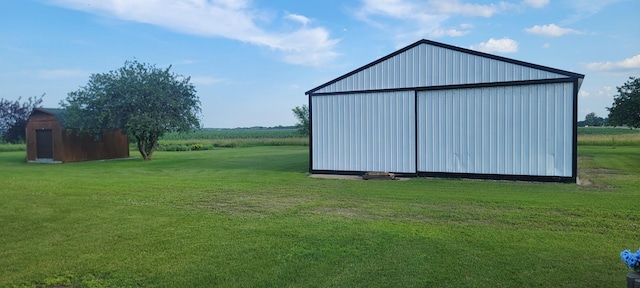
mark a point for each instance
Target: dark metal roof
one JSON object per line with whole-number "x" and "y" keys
{"x": 459, "y": 49}
{"x": 58, "y": 112}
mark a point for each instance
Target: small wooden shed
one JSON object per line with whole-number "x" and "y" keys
{"x": 48, "y": 141}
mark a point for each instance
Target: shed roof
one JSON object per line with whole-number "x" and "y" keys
{"x": 57, "y": 112}
{"x": 427, "y": 63}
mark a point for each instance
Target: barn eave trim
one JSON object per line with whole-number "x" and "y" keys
{"x": 449, "y": 87}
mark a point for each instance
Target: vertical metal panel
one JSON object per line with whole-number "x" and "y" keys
{"x": 427, "y": 65}
{"x": 511, "y": 130}
{"x": 364, "y": 132}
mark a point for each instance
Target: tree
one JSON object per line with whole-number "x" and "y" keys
{"x": 592, "y": 119}
{"x": 144, "y": 101}
{"x": 626, "y": 105}
{"x": 14, "y": 116}
{"x": 302, "y": 113}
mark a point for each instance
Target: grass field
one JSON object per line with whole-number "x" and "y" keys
{"x": 251, "y": 217}
{"x": 608, "y": 136}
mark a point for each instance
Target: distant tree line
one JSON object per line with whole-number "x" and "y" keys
{"x": 592, "y": 120}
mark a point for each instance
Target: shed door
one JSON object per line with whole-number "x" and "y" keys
{"x": 44, "y": 139}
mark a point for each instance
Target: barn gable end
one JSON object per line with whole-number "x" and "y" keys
{"x": 438, "y": 110}
{"x": 429, "y": 64}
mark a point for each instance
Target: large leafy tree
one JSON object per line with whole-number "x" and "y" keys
{"x": 302, "y": 113}
{"x": 626, "y": 105}
{"x": 14, "y": 116}
{"x": 144, "y": 101}
{"x": 593, "y": 120}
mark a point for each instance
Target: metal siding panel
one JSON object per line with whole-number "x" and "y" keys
{"x": 411, "y": 64}
{"x": 380, "y": 76}
{"x": 520, "y": 130}
{"x": 383, "y": 77}
{"x": 439, "y": 70}
{"x": 425, "y": 59}
{"x": 364, "y": 132}
{"x": 478, "y": 69}
{"x": 471, "y": 60}
{"x": 543, "y": 152}
{"x": 531, "y": 139}
{"x": 517, "y": 137}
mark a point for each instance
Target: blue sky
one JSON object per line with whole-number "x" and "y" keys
{"x": 252, "y": 61}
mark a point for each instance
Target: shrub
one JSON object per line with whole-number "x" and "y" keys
{"x": 196, "y": 147}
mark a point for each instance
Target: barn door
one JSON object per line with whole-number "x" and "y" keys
{"x": 44, "y": 140}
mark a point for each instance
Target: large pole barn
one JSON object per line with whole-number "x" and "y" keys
{"x": 436, "y": 110}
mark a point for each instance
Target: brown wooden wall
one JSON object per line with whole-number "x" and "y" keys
{"x": 82, "y": 147}
{"x": 69, "y": 146}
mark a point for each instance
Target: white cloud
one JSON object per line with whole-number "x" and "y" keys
{"x": 232, "y": 19}
{"x": 605, "y": 91}
{"x": 298, "y": 18}
{"x": 551, "y": 30}
{"x": 504, "y": 45}
{"x": 584, "y": 9}
{"x": 466, "y": 26}
{"x": 62, "y": 73}
{"x": 448, "y": 32}
{"x": 206, "y": 80}
{"x": 536, "y": 3}
{"x": 466, "y": 9}
{"x": 624, "y": 65}
{"x": 546, "y": 45}
{"x": 423, "y": 18}
{"x": 584, "y": 94}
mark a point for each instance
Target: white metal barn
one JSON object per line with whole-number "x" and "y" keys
{"x": 432, "y": 109}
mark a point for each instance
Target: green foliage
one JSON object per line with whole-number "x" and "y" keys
{"x": 14, "y": 116}
{"x": 182, "y": 146}
{"x": 238, "y": 133}
{"x": 196, "y": 146}
{"x": 58, "y": 281}
{"x": 625, "y": 110}
{"x": 302, "y": 114}
{"x": 592, "y": 119}
{"x": 252, "y": 217}
{"x": 6, "y": 147}
{"x": 145, "y": 101}
{"x": 187, "y": 145}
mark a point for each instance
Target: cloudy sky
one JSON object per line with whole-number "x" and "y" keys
{"x": 252, "y": 61}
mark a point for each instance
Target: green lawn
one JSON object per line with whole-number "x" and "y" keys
{"x": 251, "y": 217}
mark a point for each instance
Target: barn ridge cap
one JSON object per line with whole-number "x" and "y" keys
{"x": 455, "y": 48}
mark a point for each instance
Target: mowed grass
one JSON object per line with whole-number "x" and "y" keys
{"x": 251, "y": 217}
